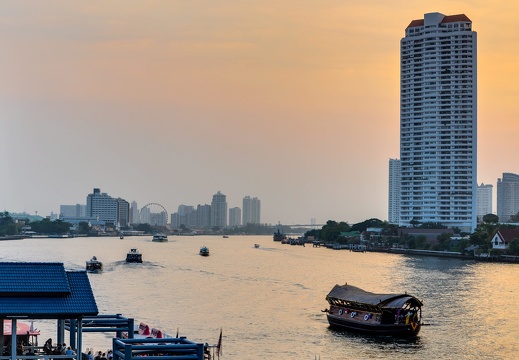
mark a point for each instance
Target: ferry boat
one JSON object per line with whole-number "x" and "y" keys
{"x": 94, "y": 265}
{"x": 279, "y": 235}
{"x": 354, "y": 309}
{"x": 204, "y": 251}
{"x": 134, "y": 256}
{"x": 160, "y": 238}
{"x": 25, "y": 334}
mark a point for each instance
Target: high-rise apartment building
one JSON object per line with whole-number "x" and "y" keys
{"x": 394, "y": 192}
{"x": 219, "y": 210}
{"x": 134, "y": 213}
{"x": 507, "y": 196}
{"x": 251, "y": 210}
{"x": 235, "y": 216}
{"x": 484, "y": 203}
{"x": 438, "y": 121}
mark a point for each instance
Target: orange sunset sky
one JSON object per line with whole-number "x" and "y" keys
{"x": 294, "y": 102}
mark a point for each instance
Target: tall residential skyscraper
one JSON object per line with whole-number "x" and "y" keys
{"x": 219, "y": 210}
{"x": 438, "y": 121}
{"x": 235, "y": 216}
{"x": 251, "y": 210}
{"x": 484, "y": 206}
{"x": 394, "y": 192}
{"x": 507, "y": 196}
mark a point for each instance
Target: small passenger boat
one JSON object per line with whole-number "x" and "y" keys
{"x": 134, "y": 256}
{"x": 160, "y": 238}
{"x": 204, "y": 251}
{"x": 94, "y": 265}
{"x": 354, "y": 309}
{"x": 226, "y": 236}
{"x": 256, "y": 245}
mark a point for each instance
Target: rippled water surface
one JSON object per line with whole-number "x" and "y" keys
{"x": 268, "y": 300}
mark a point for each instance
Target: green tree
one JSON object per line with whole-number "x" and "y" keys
{"x": 83, "y": 227}
{"x": 491, "y": 218}
{"x": 513, "y": 247}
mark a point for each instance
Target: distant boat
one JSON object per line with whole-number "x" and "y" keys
{"x": 279, "y": 235}
{"x": 256, "y": 245}
{"x": 134, "y": 256}
{"x": 204, "y": 251}
{"x": 94, "y": 265}
{"x": 160, "y": 238}
{"x": 226, "y": 236}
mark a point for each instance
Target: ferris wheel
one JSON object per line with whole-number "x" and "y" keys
{"x": 154, "y": 214}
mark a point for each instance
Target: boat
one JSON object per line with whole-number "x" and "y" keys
{"x": 25, "y": 334}
{"x": 256, "y": 245}
{"x": 279, "y": 235}
{"x": 134, "y": 256}
{"x": 354, "y": 309}
{"x": 204, "y": 251}
{"x": 226, "y": 236}
{"x": 94, "y": 265}
{"x": 160, "y": 238}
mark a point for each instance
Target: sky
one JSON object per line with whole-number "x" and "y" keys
{"x": 170, "y": 101}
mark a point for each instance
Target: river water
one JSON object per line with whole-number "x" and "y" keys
{"x": 268, "y": 300}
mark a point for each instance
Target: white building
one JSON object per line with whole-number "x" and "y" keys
{"x": 251, "y": 210}
{"x": 219, "y": 210}
{"x": 484, "y": 203}
{"x": 394, "y": 192}
{"x": 507, "y": 196}
{"x": 134, "y": 213}
{"x": 106, "y": 208}
{"x": 438, "y": 121}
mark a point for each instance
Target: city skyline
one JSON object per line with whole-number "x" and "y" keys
{"x": 163, "y": 102}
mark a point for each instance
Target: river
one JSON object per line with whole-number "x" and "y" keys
{"x": 268, "y": 300}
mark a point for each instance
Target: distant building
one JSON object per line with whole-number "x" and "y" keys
{"x": 77, "y": 210}
{"x": 203, "y": 216}
{"x": 134, "y": 213}
{"x": 430, "y": 235}
{"x": 438, "y": 121}
{"x": 503, "y": 237}
{"x": 235, "y": 216}
{"x": 507, "y": 196}
{"x": 185, "y": 215}
{"x": 394, "y": 191}
{"x": 251, "y": 210}
{"x": 219, "y": 210}
{"x": 105, "y": 208}
{"x": 484, "y": 202}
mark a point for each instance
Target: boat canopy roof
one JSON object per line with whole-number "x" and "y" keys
{"x": 353, "y": 294}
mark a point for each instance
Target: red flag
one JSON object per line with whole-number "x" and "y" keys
{"x": 219, "y": 345}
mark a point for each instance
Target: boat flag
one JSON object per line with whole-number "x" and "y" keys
{"x": 219, "y": 345}
{"x": 177, "y": 333}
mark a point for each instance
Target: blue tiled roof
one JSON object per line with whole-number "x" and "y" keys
{"x": 24, "y": 291}
{"x": 32, "y": 278}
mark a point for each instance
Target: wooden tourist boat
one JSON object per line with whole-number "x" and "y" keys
{"x": 134, "y": 256}
{"x": 357, "y": 310}
{"x": 94, "y": 265}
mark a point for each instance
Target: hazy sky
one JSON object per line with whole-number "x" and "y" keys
{"x": 294, "y": 102}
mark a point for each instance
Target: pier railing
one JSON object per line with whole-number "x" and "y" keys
{"x": 157, "y": 349}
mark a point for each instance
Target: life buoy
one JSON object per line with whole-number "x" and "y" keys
{"x": 353, "y": 314}
{"x": 340, "y": 311}
{"x": 366, "y": 317}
